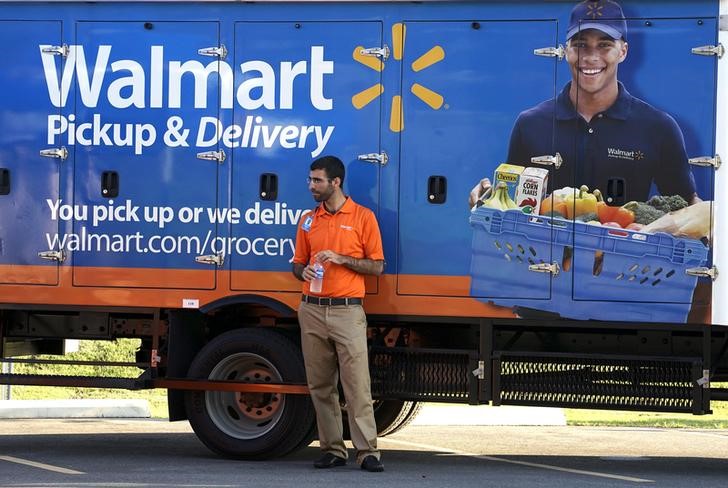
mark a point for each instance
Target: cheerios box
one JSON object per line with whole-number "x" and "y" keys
{"x": 508, "y": 174}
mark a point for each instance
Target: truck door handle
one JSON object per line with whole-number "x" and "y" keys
{"x": 437, "y": 189}
{"x": 268, "y": 186}
{"x": 109, "y": 184}
{"x": 4, "y": 181}
{"x": 615, "y": 191}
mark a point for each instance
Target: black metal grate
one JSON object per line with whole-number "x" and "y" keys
{"x": 424, "y": 374}
{"x": 624, "y": 383}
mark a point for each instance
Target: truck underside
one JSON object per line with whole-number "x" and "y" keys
{"x": 238, "y": 376}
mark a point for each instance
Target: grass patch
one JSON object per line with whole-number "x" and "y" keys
{"x": 717, "y": 420}
{"x": 646, "y": 419}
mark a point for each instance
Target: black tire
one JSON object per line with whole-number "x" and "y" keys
{"x": 393, "y": 415}
{"x": 390, "y": 416}
{"x": 250, "y": 426}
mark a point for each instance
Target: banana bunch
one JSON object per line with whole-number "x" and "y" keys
{"x": 500, "y": 199}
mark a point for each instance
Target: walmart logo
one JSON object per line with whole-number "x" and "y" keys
{"x": 368, "y": 95}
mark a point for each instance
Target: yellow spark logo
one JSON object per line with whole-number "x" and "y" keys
{"x": 594, "y": 10}
{"x": 368, "y": 95}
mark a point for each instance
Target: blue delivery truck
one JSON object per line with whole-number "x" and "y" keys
{"x": 541, "y": 248}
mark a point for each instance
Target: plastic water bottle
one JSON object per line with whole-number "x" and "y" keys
{"x": 318, "y": 280}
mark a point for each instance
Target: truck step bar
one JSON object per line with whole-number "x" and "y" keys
{"x": 600, "y": 382}
{"x": 434, "y": 375}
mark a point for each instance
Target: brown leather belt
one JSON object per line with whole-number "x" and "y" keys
{"x": 327, "y": 302}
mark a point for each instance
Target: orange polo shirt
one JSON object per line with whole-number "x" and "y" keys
{"x": 351, "y": 231}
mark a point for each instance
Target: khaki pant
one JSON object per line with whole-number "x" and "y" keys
{"x": 327, "y": 334}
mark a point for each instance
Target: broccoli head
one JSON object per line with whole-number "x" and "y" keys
{"x": 587, "y": 217}
{"x": 667, "y": 203}
{"x": 644, "y": 213}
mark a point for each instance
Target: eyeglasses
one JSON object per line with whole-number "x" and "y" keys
{"x": 317, "y": 181}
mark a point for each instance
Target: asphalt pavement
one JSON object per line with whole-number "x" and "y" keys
{"x": 43, "y": 453}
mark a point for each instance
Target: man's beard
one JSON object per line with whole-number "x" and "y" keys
{"x": 323, "y": 196}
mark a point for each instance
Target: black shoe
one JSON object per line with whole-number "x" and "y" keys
{"x": 372, "y": 464}
{"x": 329, "y": 460}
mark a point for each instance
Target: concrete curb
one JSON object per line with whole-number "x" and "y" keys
{"x": 50, "y": 409}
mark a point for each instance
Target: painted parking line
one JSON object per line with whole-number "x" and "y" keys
{"x": 429, "y": 447}
{"x": 47, "y": 467}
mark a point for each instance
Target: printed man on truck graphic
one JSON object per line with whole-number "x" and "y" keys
{"x": 607, "y": 138}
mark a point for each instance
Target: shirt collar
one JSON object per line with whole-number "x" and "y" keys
{"x": 347, "y": 207}
{"x": 620, "y": 109}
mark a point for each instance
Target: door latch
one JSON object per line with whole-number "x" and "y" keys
{"x": 703, "y": 272}
{"x": 706, "y": 161}
{"x": 551, "y": 52}
{"x": 479, "y": 372}
{"x": 705, "y": 380}
{"x": 61, "y": 50}
{"x": 718, "y": 50}
{"x": 381, "y": 52}
{"x": 59, "y": 256}
{"x": 56, "y": 152}
{"x": 216, "y": 259}
{"x": 556, "y": 160}
{"x": 380, "y": 158}
{"x": 218, "y": 156}
{"x": 552, "y": 268}
{"x": 219, "y": 51}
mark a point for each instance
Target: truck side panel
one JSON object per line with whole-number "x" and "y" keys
{"x": 204, "y": 139}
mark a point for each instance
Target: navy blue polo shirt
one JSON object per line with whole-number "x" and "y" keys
{"x": 627, "y": 147}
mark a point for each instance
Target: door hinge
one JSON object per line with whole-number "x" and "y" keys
{"x": 552, "y": 268}
{"x": 551, "y": 52}
{"x": 59, "y": 256}
{"x": 556, "y": 160}
{"x": 479, "y": 372}
{"x": 382, "y": 52}
{"x": 703, "y": 272}
{"x": 380, "y": 158}
{"x": 57, "y": 152}
{"x": 216, "y": 259}
{"x": 706, "y": 161}
{"x": 710, "y": 50}
{"x": 221, "y": 51}
{"x": 61, "y": 50}
{"x": 218, "y": 156}
{"x": 705, "y": 380}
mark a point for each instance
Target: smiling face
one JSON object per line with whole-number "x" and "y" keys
{"x": 593, "y": 58}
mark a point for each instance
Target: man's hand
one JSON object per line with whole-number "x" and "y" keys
{"x": 330, "y": 256}
{"x": 303, "y": 272}
{"x": 478, "y": 191}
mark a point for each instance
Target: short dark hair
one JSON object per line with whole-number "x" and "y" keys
{"x": 332, "y": 165}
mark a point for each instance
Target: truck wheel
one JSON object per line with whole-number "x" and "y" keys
{"x": 250, "y": 425}
{"x": 390, "y": 416}
{"x": 393, "y": 415}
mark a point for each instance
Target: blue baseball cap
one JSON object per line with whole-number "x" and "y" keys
{"x": 603, "y": 15}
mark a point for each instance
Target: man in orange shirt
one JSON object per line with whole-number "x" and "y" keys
{"x": 344, "y": 237}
